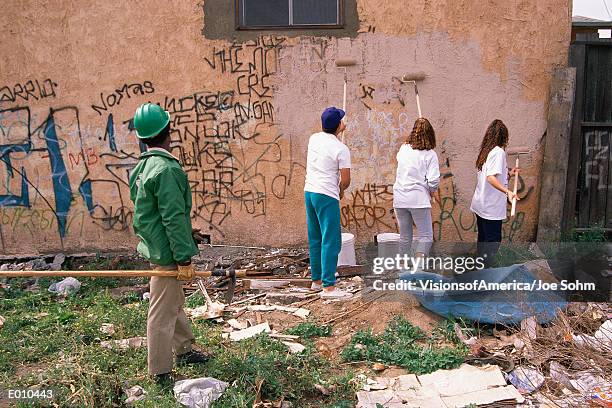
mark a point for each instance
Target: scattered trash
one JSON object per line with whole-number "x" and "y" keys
{"x": 136, "y": 393}
{"x": 2, "y": 320}
{"x": 107, "y": 328}
{"x": 559, "y": 374}
{"x": 212, "y": 310}
{"x": 294, "y": 348}
{"x": 235, "y": 324}
{"x": 124, "y": 344}
{"x": 526, "y": 379}
{"x": 601, "y": 341}
{"x": 66, "y": 286}
{"x": 530, "y": 326}
{"x": 296, "y": 311}
{"x": 146, "y": 296}
{"x": 477, "y": 386}
{"x": 468, "y": 342}
{"x": 199, "y": 392}
{"x": 249, "y": 332}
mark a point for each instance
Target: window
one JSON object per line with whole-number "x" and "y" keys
{"x": 261, "y": 14}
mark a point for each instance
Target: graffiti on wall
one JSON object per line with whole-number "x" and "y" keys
{"x": 59, "y": 174}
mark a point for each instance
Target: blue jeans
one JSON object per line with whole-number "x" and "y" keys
{"x": 324, "y": 236}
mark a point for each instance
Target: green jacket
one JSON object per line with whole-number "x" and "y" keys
{"x": 161, "y": 195}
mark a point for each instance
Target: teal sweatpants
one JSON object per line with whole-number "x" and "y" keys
{"x": 324, "y": 236}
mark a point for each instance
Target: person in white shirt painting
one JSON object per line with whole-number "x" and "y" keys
{"x": 328, "y": 174}
{"x": 416, "y": 182}
{"x": 492, "y": 194}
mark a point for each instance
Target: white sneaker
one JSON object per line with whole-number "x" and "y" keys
{"x": 316, "y": 286}
{"x": 336, "y": 294}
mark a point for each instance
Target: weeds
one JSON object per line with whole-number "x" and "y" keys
{"x": 310, "y": 330}
{"x": 404, "y": 345}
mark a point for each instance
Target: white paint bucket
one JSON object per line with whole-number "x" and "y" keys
{"x": 388, "y": 244}
{"x": 347, "y": 253}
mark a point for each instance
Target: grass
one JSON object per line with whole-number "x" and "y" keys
{"x": 406, "y": 346}
{"x": 61, "y": 338}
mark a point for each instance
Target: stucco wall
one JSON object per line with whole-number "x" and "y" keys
{"x": 73, "y": 72}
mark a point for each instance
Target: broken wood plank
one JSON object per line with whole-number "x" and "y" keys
{"x": 263, "y": 284}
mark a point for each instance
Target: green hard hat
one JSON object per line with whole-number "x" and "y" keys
{"x": 149, "y": 120}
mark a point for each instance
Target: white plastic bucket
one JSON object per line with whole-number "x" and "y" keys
{"x": 388, "y": 244}
{"x": 347, "y": 253}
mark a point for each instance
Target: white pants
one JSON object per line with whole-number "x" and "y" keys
{"x": 424, "y": 236}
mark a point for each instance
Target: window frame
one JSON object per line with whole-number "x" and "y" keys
{"x": 239, "y": 26}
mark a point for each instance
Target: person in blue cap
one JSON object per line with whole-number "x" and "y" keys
{"x": 328, "y": 175}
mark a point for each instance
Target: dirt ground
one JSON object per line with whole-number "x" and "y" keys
{"x": 372, "y": 311}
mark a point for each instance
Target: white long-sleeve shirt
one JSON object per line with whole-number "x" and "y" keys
{"x": 418, "y": 175}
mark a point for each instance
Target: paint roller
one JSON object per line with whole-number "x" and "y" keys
{"x": 413, "y": 78}
{"x": 517, "y": 151}
{"x": 344, "y": 64}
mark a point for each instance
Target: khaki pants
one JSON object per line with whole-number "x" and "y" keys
{"x": 167, "y": 325}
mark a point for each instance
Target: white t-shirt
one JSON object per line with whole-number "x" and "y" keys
{"x": 488, "y": 202}
{"x": 418, "y": 174}
{"x": 326, "y": 156}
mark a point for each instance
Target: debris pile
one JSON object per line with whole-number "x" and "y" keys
{"x": 567, "y": 363}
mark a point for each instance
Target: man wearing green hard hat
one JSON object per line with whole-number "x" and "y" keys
{"x": 161, "y": 195}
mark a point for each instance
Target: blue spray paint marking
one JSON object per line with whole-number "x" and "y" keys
{"x": 86, "y": 193}
{"x": 110, "y": 132}
{"x": 59, "y": 176}
{"x": 11, "y": 200}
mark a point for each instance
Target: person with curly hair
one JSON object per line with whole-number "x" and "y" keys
{"x": 489, "y": 202}
{"x": 416, "y": 181}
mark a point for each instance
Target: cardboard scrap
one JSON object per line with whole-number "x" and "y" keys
{"x": 472, "y": 379}
{"x": 441, "y": 389}
{"x": 496, "y": 395}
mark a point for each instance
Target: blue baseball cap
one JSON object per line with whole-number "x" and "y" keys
{"x": 331, "y": 118}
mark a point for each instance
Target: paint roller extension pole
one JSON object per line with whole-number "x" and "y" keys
{"x": 344, "y": 63}
{"x": 418, "y": 100}
{"x": 518, "y": 151}
{"x": 513, "y": 209}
